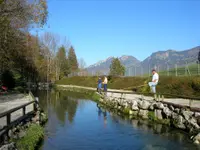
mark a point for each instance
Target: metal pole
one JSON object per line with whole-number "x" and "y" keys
{"x": 167, "y": 70}
{"x": 198, "y": 67}
{"x": 149, "y": 69}
{"x": 176, "y": 69}
{"x": 135, "y": 70}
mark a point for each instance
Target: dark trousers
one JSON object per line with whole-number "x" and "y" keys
{"x": 105, "y": 87}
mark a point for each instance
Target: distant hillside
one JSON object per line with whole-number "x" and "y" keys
{"x": 161, "y": 60}
{"x": 168, "y": 59}
{"x": 103, "y": 66}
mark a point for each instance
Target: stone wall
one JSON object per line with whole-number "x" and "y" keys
{"x": 157, "y": 111}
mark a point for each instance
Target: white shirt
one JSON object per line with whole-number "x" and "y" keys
{"x": 155, "y": 77}
{"x": 105, "y": 81}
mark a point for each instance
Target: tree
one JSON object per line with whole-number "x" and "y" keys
{"x": 62, "y": 63}
{"x": 116, "y": 68}
{"x": 82, "y": 64}
{"x": 73, "y": 64}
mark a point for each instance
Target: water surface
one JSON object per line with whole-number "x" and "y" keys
{"x": 77, "y": 123}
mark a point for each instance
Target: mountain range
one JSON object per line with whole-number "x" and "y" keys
{"x": 161, "y": 60}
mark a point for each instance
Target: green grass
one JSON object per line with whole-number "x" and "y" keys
{"x": 34, "y": 135}
{"x": 184, "y": 86}
{"x": 182, "y": 71}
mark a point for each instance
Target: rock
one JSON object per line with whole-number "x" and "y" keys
{"x": 119, "y": 107}
{"x": 179, "y": 121}
{"x": 158, "y": 113}
{"x": 187, "y": 114}
{"x": 10, "y": 146}
{"x": 159, "y": 105}
{"x": 167, "y": 112}
{"x": 143, "y": 113}
{"x": 143, "y": 104}
{"x": 151, "y": 107}
{"x": 21, "y": 134}
{"x": 10, "y": 133}
{"x": 133, "y": 112}
{"x": 177, "y": 110}
{"x": 192, "y": 124}
{"x": 196, "y": 139}
{"x": 134, "y": 105}
{"x": 197, "y": 114}
{"x": 171, "y": 107}
{"x": 198, "y": 120}
{"x": 125, "y": 104}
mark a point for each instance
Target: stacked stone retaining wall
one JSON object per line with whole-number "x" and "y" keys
{"x": 176, "y": 116}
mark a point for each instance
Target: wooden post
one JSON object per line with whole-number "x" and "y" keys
{"x": 35, "y": 106}
{"x": 159, "y": 97}
{"x": 190, "y": 103}
{"x": 162, "y": 97}
{"x": 121, "y": 95}
{"x": 8, "y": 119}
{"x": 24, "y": 110}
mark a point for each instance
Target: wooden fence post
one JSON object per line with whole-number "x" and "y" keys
{"x": 24, "y": 110}
{"x": 35, "y": 106}
{"x": 8, "y": 118}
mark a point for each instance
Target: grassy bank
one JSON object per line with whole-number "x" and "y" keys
{"x": 31, "y": 140}
{"x": 187, "y": 86}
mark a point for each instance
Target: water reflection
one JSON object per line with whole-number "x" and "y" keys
{"x": 102, "y": 112}
{"x": 63, "y": 104}
{"x": 78, "y": 123}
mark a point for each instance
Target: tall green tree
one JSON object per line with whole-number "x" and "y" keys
{"x": 62, "y": 63}
{"x": 116, "y": 68}
{"x": 73, "y": 63}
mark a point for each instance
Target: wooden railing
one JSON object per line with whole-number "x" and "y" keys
{"x": 10, "y": 124}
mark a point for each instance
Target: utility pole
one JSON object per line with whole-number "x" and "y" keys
{"x": 176, "y": 69}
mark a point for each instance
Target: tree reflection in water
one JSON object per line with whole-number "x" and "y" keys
{"x": 63, "y": 103}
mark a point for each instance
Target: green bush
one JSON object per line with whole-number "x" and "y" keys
{"x": 33, "y": 136}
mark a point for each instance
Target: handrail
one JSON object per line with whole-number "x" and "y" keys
{"x": 16, "y": 108}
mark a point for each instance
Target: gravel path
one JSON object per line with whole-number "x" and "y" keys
{"x": 185, "y": 102}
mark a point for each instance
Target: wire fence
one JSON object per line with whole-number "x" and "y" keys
{"x": 165, "y": 70}
{"x": 138, "y": 70}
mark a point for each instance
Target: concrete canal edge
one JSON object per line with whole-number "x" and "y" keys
{"x": 156, "y": 111}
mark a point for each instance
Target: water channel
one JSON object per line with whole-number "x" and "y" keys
{"x": 78, "y": 123}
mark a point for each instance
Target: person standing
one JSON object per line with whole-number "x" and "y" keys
{"x": 105, "y": 82}
{"x": 99, "y": 85}
{"x": 155, "y": 79}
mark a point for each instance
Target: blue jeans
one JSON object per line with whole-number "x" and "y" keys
{"x": 105, "y": 87}
{"x": 153, "y": 86}
{"x": 99, "y": 86}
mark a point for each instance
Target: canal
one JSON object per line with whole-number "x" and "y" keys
{"x": 78, "y": 123}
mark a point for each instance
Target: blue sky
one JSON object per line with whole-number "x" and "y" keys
{"x": 99, "y": 29}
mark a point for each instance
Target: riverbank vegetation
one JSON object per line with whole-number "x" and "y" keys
{"x": 26, "y": 55}
{"x": 188, "y": 86}
{"x": 34, "y": 134}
